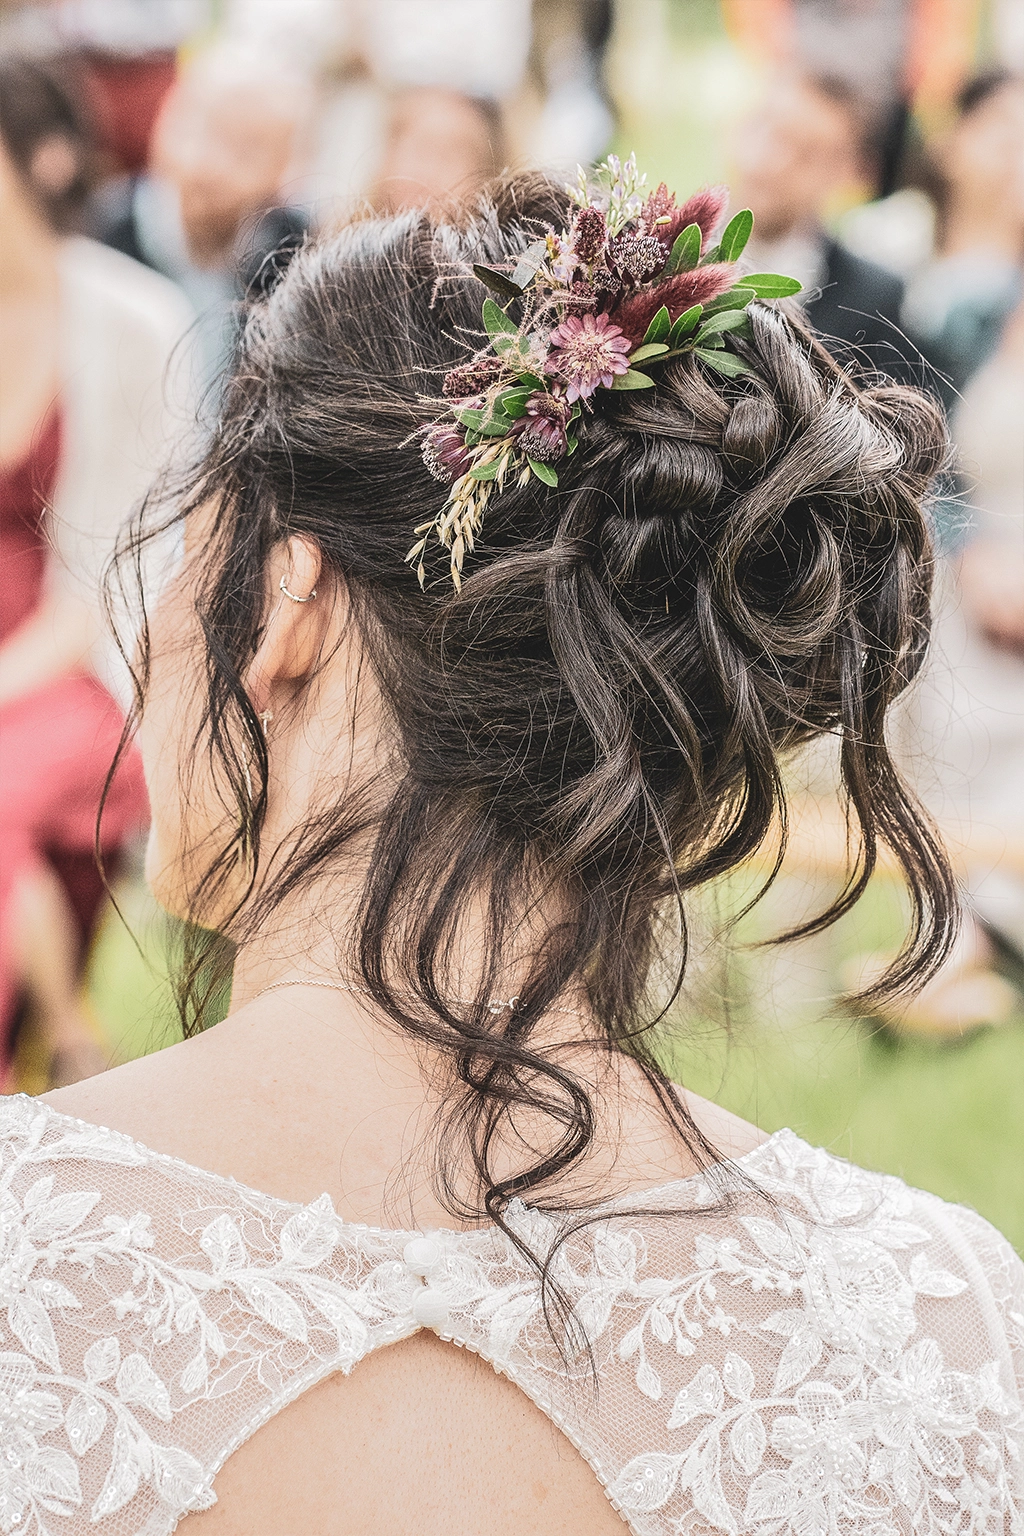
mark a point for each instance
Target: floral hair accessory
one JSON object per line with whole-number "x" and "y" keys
{"x": 634, "y": 281}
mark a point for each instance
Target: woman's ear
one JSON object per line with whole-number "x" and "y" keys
{"x": 301, "y": 605}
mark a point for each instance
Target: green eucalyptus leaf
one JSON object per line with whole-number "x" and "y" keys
{"x": 529, "y": 261}
{"x": 572, "y": 443}
{"x": 772, "y": 285}
{"x": 484, "y": 471}
{"x": 633, "y": 379}
{"x": 532, "y": 381}
{"x": 725, "y": 320}
{"x": 513, "y": 402}
{"x": 472, "y": 438}
{"x": 497, "y": 426}
{"x": 724, "y": 362}
{"x": 736, "y": 298}
{"x": 715, "y": 254}
{"x": 497, "y": 282}
{"x": 685, "y": 251}
{"x": 659, "y": 327}
{"x": 468, "y": 417}
{"x": 686, "y": 322}
{"x": 652, "y": 349}
{"x": 497, "y": 322}
{"x": 735, "y": 235}
{"x": 543, "y": 472}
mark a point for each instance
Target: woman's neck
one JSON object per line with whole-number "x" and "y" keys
{"x": 303, "y": 1089}
{"x": 314, "y": 935}
{"x": 31, "y": 253}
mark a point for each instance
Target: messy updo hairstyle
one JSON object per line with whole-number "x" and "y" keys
{"x": 598, "y": 723}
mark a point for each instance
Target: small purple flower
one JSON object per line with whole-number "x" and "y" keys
{"x": 445, "y": 453}
{"x": 587, "y": 351}
{"x": 564, "y": 260}
{"x": 542, "y": 432}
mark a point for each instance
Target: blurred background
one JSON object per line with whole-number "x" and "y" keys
{"x": 161, "y": 158}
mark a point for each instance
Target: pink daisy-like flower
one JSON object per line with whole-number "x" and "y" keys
{"x": 587, "y": 351}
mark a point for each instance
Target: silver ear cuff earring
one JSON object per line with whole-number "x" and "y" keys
{"x": 295, "y": 599}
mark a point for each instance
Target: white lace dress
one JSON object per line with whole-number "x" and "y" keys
{"x": 842, "y": 1358}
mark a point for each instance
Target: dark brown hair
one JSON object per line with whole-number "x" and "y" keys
{"x": 726, "y": 570}
{"x": 40, "y": 100}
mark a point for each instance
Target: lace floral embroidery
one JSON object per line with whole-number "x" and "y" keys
{"x": 856, "y": 1417}
{"x": 817, "y": 1365}
{"x": 144, "y": 1336}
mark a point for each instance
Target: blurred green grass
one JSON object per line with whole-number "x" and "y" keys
{"x": 946, "y": 1117}
{"x": 758, "y": 1035}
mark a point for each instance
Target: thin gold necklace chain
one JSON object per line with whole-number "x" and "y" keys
{"x": 496, "y": 1004}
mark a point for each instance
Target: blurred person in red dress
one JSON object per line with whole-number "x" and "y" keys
{"x": 85, "y": 340}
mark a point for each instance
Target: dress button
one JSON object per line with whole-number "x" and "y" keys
{"x": 420, "y": 1255}
{"x": 429, "y": 1308}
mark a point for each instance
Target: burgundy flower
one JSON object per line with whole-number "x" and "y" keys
{"x": 470, "y": 378}
{"x": 638, "y": 256}
{"x": 605, "y": 280}
{"x": 579, "y": 298}
{"x": 543, "y": 432}
{"x": 660, "y": 205}
{"x": 705, "y": 208}
{"x": 589, "y": 234}
{"x": 587, "y": 351}
{"x": 444, "y": 453}
{"x": 677, "y": 293}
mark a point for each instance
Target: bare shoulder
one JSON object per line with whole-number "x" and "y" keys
{"x": 731, "y": 1135}
{"x": 277, "y": 1112}
{"x": 128, "y": 1098}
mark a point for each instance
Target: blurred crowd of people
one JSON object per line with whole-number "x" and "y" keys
{"x": 161, "y": 158}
